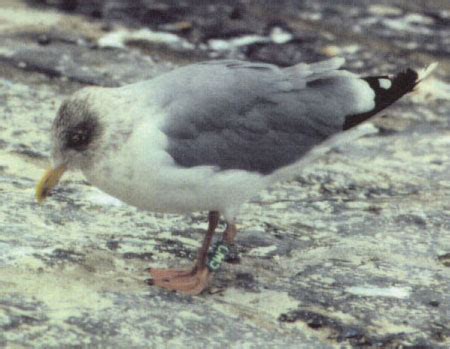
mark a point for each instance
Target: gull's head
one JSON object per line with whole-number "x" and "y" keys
{"x": 75, "y": 136}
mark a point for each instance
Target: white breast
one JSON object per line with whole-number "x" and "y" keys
{"x": 143, "y": 174}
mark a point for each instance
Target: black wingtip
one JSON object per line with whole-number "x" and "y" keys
{"x": 400, "y": 85}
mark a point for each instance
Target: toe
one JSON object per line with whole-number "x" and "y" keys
{"x": 191, "y": 284}
{"x": 167, "y": 274}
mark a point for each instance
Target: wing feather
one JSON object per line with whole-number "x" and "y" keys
{"x": 255, "y": 116}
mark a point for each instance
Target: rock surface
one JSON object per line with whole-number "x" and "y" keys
{"x": 355, "y": 252}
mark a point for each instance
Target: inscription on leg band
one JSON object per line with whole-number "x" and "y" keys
{"x": 218, "y": 255}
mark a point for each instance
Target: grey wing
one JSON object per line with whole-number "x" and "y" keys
{"x": 256, "y": 117}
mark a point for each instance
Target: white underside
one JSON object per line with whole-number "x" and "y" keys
{"x": 142, "y": 174}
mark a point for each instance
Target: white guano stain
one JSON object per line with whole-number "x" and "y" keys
{"x": 262, "y": 251}
{"x": 119, "y": 38}
{"x": 375, "y": 291}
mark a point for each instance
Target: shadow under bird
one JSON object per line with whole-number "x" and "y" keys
{"x": 211, "y": 135}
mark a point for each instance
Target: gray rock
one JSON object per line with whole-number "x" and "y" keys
{"x": 353, "y": 253}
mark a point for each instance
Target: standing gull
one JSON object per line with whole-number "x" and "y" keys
{"x": 211, "y": 135}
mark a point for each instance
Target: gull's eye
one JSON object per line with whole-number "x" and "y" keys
{"x": 79, "y": 137}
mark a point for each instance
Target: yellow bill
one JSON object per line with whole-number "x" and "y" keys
{"x": 48, "y": 182}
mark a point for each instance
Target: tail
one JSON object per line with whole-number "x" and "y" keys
{"x": 387, "y": 90}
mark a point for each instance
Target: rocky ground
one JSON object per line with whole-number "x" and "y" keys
{"x": 354, "y": 253}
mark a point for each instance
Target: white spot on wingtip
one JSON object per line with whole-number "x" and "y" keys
{"x": 385, "y": 83}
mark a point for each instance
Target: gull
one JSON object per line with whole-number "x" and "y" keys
{"x": 209, "y": 136}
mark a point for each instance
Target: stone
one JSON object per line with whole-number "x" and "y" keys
{"x": 353, "y": 253}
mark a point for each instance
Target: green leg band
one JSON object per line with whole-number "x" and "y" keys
{"x": 218, "y": 255}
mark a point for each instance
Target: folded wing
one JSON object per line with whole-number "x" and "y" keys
{"x": 257, "y": 117}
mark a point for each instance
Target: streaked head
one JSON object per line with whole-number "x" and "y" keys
{"x": 76, "y": 134}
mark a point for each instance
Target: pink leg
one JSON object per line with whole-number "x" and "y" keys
{"x": 192, "y": 281}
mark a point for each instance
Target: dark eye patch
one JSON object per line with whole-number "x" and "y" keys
{"x": 79, "y": 136}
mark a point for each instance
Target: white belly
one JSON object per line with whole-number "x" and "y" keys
{"x": 142, "y": 174}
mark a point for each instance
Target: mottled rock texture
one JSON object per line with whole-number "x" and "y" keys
{"x": 354, "y": 253}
